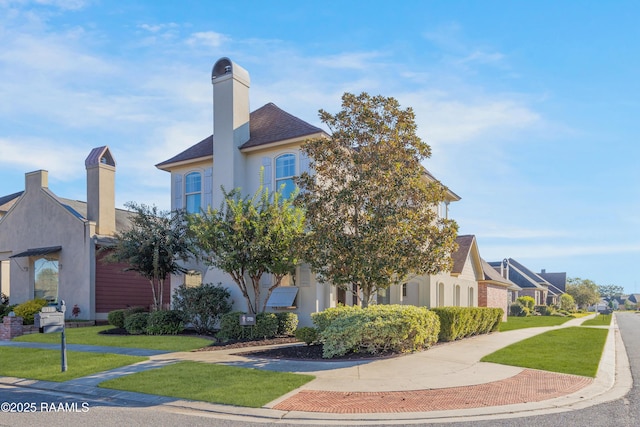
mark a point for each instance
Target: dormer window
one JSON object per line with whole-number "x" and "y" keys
{"x": 193, "y": 192}
{"x": 285, "y": 171}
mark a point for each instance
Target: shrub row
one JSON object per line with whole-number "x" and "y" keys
{"x": 268, "y": 325}
{"x": 376, "y": 329}
{"x": 137, "y": 321}
{"x": 461, "y": 322}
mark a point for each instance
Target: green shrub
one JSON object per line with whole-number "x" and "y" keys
{"x": 5, "y": 310}
{"x": 28, "y": 309}
{"x": 202, "y": 306}
{"x": 136, "y": 323}
{"x": 323, "y": 319}
{"x": 116, "y": 318}
{"x": 543, "y": 310}
{"x": 287, "y": 323}
{"x": 266, "y": 327}
{"x": 527, "y": 302}
{"x": 380, "y": 328}
{"x": 517, "y": 309}
{"x": 165, "y": 322}
{"x": 461, "y": 322}
{"x": 307, "y": 334}
{"x": 134, "y": 310}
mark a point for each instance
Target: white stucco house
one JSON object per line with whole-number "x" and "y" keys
{"x": 243, "y": 142}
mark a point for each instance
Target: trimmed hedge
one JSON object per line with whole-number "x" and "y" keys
{"x": 307, "y": 334}
{"x": 461, "y": 322}
{"x": 116, "y": 318}
{"x": 28, "y": 309}
{"x": 266, "y": 327}
{"x": 165, "y": 322}
{"x": 136, "y": 323}
{"x": 324, "y": 318}
{"x": 376, "y": 329}
{"x": 202, "y": 306}
{"x": 287, "y": 323}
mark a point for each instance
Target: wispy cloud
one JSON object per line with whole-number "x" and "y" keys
{"x": 207, "y": 39}
{"x": 29, "y": 154}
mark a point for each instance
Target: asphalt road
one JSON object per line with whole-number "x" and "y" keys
{"x": 63, "y": 410}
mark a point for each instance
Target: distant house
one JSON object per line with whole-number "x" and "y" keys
{"x": 269, "y": 139}
{"x": 532, "y": 284}
{"x": 49, "y": 245}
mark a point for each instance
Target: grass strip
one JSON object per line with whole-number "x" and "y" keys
{"x": 39, "y": 364}
{"x": 599, "y": 320}
{"x": 227, "y": 385}
{"x": 573, "y": 350}
{"x": 532, "y": 322}
{"x": 91, "y": 336}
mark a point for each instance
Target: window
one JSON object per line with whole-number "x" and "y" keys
{"x": 456, "y": 296}
{"x": 193, "y": 279}
{"x": 45, "y": 271}
{"x": 193, "y": 192}
{"x": 285, "y": 171}
{"x": 404, "y": 289}
{"x": 384, "y": 296}
{"x": 470, "y": 297}
{"x": 440, "y": 295}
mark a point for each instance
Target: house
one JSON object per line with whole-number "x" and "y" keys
{"x": 269, "y": 139}
{"x": 5, "y": 203}
{"x": 531, "y": 283}
{"x": 494, "y": 290}
{"x": 50, "y": 246}
{"x": 557, "y": 285}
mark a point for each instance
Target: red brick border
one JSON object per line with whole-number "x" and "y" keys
{"x": 527, "y": 386}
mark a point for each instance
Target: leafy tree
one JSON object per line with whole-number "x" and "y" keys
{"x": 567, "y": 302}
{"x": 610, "y": 291}
{"x": 250, "y": 236}
{"x": 371, "y": 205}
{"x": 153, "y": 246}
{"x": 583, "y": 291}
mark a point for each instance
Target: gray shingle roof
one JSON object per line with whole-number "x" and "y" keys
{"x": 460, "y": 256}
{"x": 267, "y": 124}
{"x": 10, "y": 197}
{"x": 491, "y": 274}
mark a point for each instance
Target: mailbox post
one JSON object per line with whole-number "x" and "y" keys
{"x": 51, "y": 320}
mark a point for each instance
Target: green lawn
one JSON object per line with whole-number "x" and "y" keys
{"x": 599, "y": 320}
{"x": 227, "y": 385}
{"x": 90, "y": 336}
{"x": 531, "y": 322}
{"x": 39, "y": 364}
{"x": 573, "y": 350}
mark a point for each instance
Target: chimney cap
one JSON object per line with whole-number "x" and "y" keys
{"x": 226, "y": 67}
{"x": 100, "y": 155}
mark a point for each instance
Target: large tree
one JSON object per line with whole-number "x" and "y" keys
{"x": 610, "y": 291}
{"x": 583, "y": 291}
{"x": 153, "y": 246}
{"x": 371, "y": 205}
{"x": 250, "y": 236}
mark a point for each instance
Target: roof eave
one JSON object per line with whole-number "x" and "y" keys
{"x": 273, "y": 144}
{"x": 168, "y": 166}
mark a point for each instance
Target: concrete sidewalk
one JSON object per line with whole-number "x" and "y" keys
{"x": 447, "y": 373}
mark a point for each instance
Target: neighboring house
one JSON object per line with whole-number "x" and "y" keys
{"x": 531, "y": 283}
{"x": 51, "y": 245}
{"x": 5, "y": 204}
{"x": 495, "y": 290}
{"x": 268, "y": 139}
{"x": 557, "y": 285}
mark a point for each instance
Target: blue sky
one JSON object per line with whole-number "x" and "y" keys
{"x": 530, "y": 107}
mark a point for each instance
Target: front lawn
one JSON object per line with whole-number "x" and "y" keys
{"x": 573, "y": 350}
{"x": 227, "y": 385}
{"x": 39, "y": 364}
{"x": 90, "y": 336}
{"x": 599, "y": 320}
{"x": 531, "y": 322}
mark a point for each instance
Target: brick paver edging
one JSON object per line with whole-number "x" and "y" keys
{"x": 528, "y": 386}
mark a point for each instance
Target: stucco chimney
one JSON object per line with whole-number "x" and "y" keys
{"x": 230, "y": 124}
{"x": 36, "y": 180}
{"x": 101, "y": 197}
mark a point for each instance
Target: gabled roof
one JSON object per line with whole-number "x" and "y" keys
{"x": 493, "y": 276}
{"x": 558, "y": 280}
{"x": 8, "y": 201}
{"x": 79, "y": 210}
{"x": 267, "y": 124}
{"x": 522, "y": 276}
{"x": 467, "y": 249}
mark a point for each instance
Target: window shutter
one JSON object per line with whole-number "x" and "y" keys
{"x": 266, "y": 165}
{"x": 304, "y": 276}
{"x": 208, "y": 188}
{"x": 177, "y": 192}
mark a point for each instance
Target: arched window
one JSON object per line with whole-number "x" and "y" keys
{"x": 45, "y": 272}
{"x": 285, "y": 171}
{"x": 456, "y": 296}
{"x": 193, "y": 192}
{"x": 440, "y": 295}
{"x": 471, "y": 297}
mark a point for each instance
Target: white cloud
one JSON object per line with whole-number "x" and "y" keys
{"x": 207, "y": 39}
{"x": 29, "y": 154}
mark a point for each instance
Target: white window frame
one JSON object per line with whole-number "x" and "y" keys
{"x": 280, "y": 180}
{"x": 188, "y": 194}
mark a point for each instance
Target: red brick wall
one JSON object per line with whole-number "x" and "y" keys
{"x": 116, "y": 288}
{"x": 493, "y": 296}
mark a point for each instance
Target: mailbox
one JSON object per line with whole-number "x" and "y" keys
{"x": 247, "y": 319}
{"x": 49, "y": 321}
